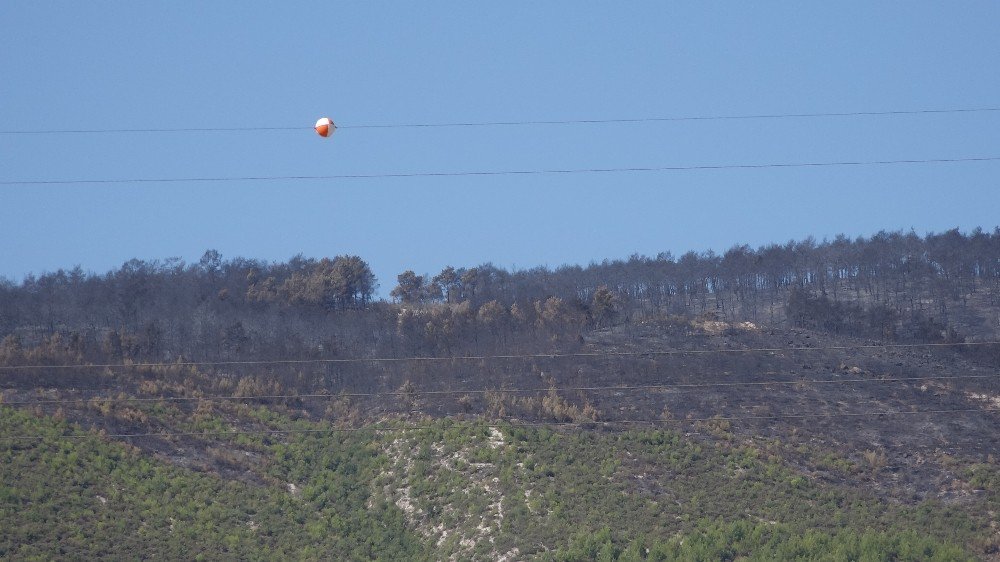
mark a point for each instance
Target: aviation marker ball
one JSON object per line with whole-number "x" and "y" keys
{"x": 325, "y": 127}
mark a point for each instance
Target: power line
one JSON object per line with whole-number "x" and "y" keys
{"x": 160, "y": 130}
{"x": 677, "y": 119}
{"x": 514, "y": 122}
{"x": 652, "y": 353}
{"x": 484, "y": 173}
{"x": 661, "y": 386}
{"x": 513, "y": 423}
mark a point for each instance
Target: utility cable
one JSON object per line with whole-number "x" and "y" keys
{"x": 403, "y": 393}
{"x": 485, "y": 173}
{"x": 650, "y": 353}
{"x": 512, "y": 423}
{"x": 512, "y": 122}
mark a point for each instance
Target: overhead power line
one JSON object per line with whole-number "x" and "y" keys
{"x": 482, "y": 173}
{"x": 513, "y": 123}
{"x": 511, "y": 423}
{"x": 156, "y": 130}
{"x": 399, "y": 393}
{"x": 637, "y": 353}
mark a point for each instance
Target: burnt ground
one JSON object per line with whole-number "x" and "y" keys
{"x": 835, "y": 410}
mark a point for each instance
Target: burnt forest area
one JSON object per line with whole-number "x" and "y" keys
{"x": 861, "y": 363}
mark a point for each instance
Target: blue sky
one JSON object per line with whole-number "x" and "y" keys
{"x": 104, "y": 65}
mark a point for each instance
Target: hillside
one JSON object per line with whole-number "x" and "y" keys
{"x": 779, "y": 407}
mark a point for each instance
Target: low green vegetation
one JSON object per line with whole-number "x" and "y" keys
{"x": 74, "y": 495}
{"x": 760, "y": 542}
{"x": 470, "y": 490}
{"x": 548, "y": 494}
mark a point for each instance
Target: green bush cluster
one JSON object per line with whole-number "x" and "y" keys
{"x": 73, "y": 495}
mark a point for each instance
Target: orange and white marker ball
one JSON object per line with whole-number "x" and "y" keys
{"x": 325, "y": 127}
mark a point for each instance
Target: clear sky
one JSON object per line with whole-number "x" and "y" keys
{"x": 122, "y": 65}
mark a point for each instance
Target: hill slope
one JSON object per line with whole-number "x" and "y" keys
{"x": 816, "y": 401}
{"x": 453, "y": 489}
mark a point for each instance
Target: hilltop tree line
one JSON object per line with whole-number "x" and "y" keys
{"x": 891, "y": 286}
